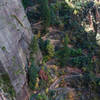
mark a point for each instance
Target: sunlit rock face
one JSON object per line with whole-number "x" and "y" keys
{"x": 15, "y": 36}
{"x": 98, "y": 27}
{"x": 98, "y": 34}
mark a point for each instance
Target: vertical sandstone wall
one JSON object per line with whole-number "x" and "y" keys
{"x": 15, "y": 35}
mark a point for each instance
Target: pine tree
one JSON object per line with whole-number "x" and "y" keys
{"x": 33, "y": 75}
{"x": 33, "y": 47}
{"x": 64, "y": 53}
{"x": 45, "y": 13}
{"x": 50, "y": 49}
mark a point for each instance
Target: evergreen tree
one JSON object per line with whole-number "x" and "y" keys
{"x": 45, "y": 13}
{"x": 33, "y": 75}
{"x": 27, "y": 3}
{"x": 50, "y": 49}
{"x": 64, "y": 53}
{"x": 33, "y": 47}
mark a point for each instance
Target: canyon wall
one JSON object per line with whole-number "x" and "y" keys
{"x": 15, "y": 36}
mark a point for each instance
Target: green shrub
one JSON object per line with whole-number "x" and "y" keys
{"x": 40, "y": 96}
{"x": 6, "y": 85}
{"x": 76, "y": 52}
{"x": 83, "y": 62}
{"x": 45, "y": 59}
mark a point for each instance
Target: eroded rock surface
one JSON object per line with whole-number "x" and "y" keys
{"x": 15, "y": 36}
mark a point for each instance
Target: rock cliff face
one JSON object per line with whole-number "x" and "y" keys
{"x": 15, "y": 35}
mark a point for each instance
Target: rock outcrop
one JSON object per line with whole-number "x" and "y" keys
{"x": 15, "y": 36}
